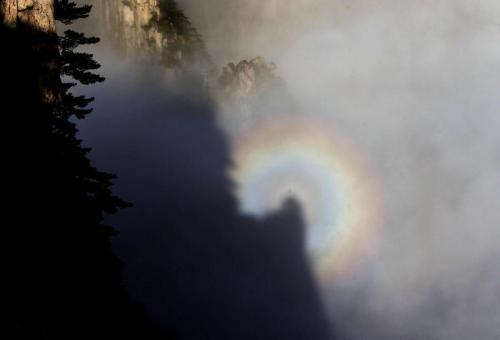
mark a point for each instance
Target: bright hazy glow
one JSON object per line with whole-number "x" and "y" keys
{"x": 318, "y": 169}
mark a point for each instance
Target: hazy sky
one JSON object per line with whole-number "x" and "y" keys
{"x": 413, "y": 87}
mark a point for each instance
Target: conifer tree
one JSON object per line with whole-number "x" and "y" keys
{"x": 186, "y": 45}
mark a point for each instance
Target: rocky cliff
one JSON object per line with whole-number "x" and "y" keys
{"x": 33, "y": 22}
{"x": 32, "y": 15}
{"x": 152, "y": 29}
{"x": 247, "y": 78}
{"x": 131, "y": 24}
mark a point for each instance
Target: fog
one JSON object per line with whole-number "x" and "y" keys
{"x": 413, "y": 86}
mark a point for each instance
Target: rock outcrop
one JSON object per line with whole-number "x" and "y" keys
{"x": 152, "y": 30}
{"x": 247, "y": 78}
{"x": 30, "y": 15}
{"x": 131, "y": 24}
{"x": 35, "y": 21}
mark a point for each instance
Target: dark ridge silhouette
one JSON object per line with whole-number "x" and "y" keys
{"x": 199, "y": 265}
{"x": 62, "y": 280}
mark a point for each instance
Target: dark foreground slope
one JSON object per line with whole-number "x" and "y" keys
{"x": 62, "y": 280}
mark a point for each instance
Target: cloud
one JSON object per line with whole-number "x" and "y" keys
{"x": 415, "y": 90}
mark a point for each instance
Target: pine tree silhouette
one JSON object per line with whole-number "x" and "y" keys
{"x": 63, "y": 279}
{"x": 186, "y": 45}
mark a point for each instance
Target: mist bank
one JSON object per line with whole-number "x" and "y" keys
{"x": 412, "y": 85}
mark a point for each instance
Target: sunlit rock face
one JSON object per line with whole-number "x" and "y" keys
{"x": 130, "y": 24}
{"x": 153, "y": 30}
{"x": 35, "y": 21}
{"x": 31, "y": 15}
{"x": 8, "y": 13}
